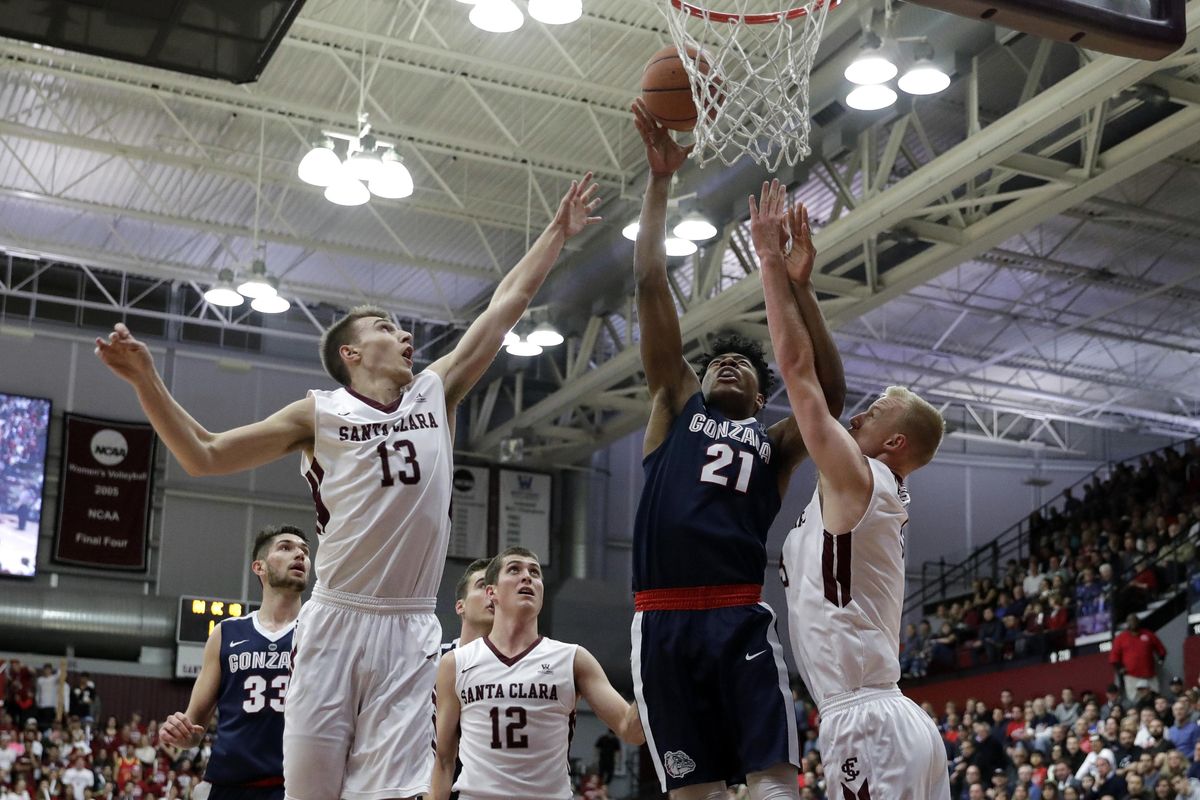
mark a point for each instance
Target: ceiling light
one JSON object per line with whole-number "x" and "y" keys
{"x": 347, "y": 190}
{"x": 524, "y": 349}
{"x": 394, "y": 180}
{"x": 872, "y": 64}
{"x": 257, "y": 283}
{"x": 556, "y": 12}
{"x": 320, "y": 166}
{"x": 680, "y": 247}
{"x": 695, "y": 228}
{"x": 871, "y": 98}
{"x": 545, "y": 335}
{"x": 365, "y": 165}
{"x": 275, "y": 304}
{"x": 511, "y": 338}
{"x": 630, "y": 231}
{"x": 222, "y": 292}
{"x": 925, "y": 77}
{"x": 496, "y": 16}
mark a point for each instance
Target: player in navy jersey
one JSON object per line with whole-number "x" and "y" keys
{"x": 245, "y": 675}
{"x": 708, "y": 669}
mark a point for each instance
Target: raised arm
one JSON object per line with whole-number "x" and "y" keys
{"x": 592, "y": 685}
{"x": 200, "y": 451}
{"x": 186, "y": 728}
{"x": 845, "y": 476}
{"x": 670, "y": 378}
{"x": 446, "y": 742}
{"x": 475, "y": 352}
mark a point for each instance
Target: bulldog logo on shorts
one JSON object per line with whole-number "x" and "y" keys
{"x": 678, "y": 763}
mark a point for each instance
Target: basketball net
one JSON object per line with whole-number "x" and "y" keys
{"x": 749, "y": 63}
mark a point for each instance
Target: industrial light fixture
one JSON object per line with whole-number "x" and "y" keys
{"x": 496, "y": 16}
{"x": 525, "y": 349}
{"x": 680, "y": 247}
{"x": 511, "y": 337}
{"x": 272, "y": 303}
{"x": 630, "y": 231}
{"x": 222, "y": 292}
{"x": 695, "y": 227}
{"x": 924, "y": 77}
{"x": 256, "y": 284}
{"x": 556, "y": 12}
{"x": 347, "y": 190}
{"x": 872, "y": 66}
{"x": 871, "y": 98}
{"x": 394, "y": 181}
{"x": 545, "y": 335}
{"x": 320, "y": 165}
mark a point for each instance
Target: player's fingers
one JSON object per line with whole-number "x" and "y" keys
{"x": 197, "y": 729}
{"x": 753, "y": 209}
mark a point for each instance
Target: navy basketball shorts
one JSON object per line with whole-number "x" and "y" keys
{"x": 712, "y": 691}
{"x": 246, "y": 792}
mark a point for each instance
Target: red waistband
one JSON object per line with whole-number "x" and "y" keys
{"x": 698, "y": 598}
{"x": 263, "y": 783}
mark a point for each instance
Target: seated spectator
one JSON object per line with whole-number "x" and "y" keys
{"x": 1184, "y": 733}
{"x": 942, "y": 654}
{"x": 990, "y": 637}
{"x": 912, "y": 651}
{"x": 1069, "y": 709}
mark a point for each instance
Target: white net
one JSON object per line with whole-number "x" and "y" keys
{"x": 749, "y": 63}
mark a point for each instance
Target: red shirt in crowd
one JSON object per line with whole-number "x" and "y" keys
{"x": 1134, "y": 652}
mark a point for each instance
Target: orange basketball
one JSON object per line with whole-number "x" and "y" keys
{"x": 668, "y": 93}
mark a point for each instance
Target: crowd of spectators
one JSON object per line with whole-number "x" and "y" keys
{"x": 58, "y": 750}
{"x": 1097, "y": 558}
{"x": 1056, "y": 747}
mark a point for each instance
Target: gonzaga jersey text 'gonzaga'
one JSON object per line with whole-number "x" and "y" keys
{"x": 711, "y": 494}
{"x": 845, "y": 593}
{"x": 380, "y": 480}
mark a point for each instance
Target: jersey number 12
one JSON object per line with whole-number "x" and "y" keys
{"x": 513, "y": 742}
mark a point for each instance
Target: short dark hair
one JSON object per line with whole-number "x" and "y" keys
{"x": 262, "y": 541}
{"x": 464, "y": 583}
{"x": 340, "y": 333}
{"x": 729, "y": 342}
{"x": 493, "y": 568}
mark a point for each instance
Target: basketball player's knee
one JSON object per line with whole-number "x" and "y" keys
{"x": 701, "y": 791}
{"x": 774, "y": 783}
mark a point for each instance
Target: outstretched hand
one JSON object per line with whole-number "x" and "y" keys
{"x": 576, "y": 206}
{"x": 782, "y": 235}
{"x": 663, "y": 153}
{"x": 125, "y": 355}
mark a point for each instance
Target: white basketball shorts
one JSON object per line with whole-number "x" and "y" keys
{"x": 877, "y": 744}
{"x": 358, "y": 719}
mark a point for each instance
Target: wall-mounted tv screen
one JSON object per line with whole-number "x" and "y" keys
{"x": 24, "y": 429}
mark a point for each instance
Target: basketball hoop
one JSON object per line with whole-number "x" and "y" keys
{"x": 752, "y": 89}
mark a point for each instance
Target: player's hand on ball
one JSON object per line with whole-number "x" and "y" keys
{"x": 179, "y": 731}
{"x": 664, "y": 155}
{"x": 124, "y": 355}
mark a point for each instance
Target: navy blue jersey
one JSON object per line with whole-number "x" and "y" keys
{"x": 711, "y": 494}
{"x": 256, "y": 666}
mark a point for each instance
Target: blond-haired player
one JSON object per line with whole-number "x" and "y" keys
{"x": 506, "y": 701}
{"x": 377, "y": 455}
{"x": 843, "y": 563}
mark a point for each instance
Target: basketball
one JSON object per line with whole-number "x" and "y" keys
{"x": 667, "y": 91}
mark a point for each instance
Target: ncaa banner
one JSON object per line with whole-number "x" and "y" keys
{"x": 104, "y": 493}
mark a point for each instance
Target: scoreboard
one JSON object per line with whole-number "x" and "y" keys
{"x": 199, "y": 615}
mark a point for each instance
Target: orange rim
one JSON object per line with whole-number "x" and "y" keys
{"x": 749, "y": 19}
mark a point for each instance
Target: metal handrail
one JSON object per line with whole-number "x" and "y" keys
{"x": 1010, "y": 541}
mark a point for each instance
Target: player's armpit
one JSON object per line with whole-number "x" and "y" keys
{"x": 446, "y": 745}
{"x": 593, "y": 685}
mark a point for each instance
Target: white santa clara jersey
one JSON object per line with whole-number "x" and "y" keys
{"x": 516, "y": 720}
{"x": 845, "y": 593}
{"x": 380, "y": 480}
